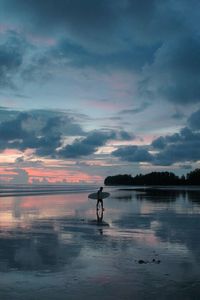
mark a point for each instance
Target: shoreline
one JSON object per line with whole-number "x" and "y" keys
{"x": 43, "y": 190}
{"x": 10, "y": 191}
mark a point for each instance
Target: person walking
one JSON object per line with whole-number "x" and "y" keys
{"x": 100, "y": 198}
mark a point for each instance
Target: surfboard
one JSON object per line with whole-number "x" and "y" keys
{"x": 95, "y": 195}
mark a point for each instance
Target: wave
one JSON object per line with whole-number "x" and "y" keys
{"x": 29, "y": 190}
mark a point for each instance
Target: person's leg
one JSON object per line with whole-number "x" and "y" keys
{"x": 97, "y": 204}
{"x": 102, "y": 204}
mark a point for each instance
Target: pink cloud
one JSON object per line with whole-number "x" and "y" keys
{"x": 60, "y": 175}
{"x": 11, "y": 152}
{"x": 49, "y": 175}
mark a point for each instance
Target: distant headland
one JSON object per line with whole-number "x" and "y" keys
{"x": 155, "y": 178}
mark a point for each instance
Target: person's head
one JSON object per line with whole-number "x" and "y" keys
{"x": 101, "y": 188}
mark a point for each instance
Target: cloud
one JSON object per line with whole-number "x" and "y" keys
{"x": 133, "y": 154}
{"x": 7, "y": 114}
{"x": 175, "y": 72}
{"x": 154, "y": 21}
{"x": 76, "y": 55}
{"x": 46, "y": 132}
{"x": 194, "y": 120}
{"x": 12, "y": 129}
{"x": 137, "y": 110}
{"x": 24, "y": 162}
{"x": 20, "y": 177}
{"x": 21, "y": 60}
{"x": 108, "y": 24}
{"x": 159, "y": 143}
{"x": 86, "y": 146}
{"x": 178, "y": 115}
{"x": 11, "y": 58}
{"x": 181, "y": 147}
{"x": 94, "y": 139}
{"x": 180, "y": 152}
{"x": 39, "y": 130}
{"x": 85, "y": 21}
{"x": 124, "y": 135}
{"x": 186, "y": 166}
{"x": 156, "y": 40}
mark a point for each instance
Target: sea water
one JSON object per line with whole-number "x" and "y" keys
{"x": 52, "y": 247}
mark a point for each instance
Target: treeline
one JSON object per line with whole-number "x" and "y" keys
{"x": 155, "y": 178}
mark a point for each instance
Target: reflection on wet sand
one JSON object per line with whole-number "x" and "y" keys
{"x": 99, "y": 220}
{"x": 167, "y": 195}
{"x": 61, "y": 247}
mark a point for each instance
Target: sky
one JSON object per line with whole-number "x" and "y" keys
{"x": 95, "y": 88}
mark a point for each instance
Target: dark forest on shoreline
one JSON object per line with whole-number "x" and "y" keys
{"x": 155, "y": 178}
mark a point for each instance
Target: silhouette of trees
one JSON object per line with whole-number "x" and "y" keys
{"x": 193, "y": 177}
{"x": 119, "y": 180}
{"x": 155, "y": 178}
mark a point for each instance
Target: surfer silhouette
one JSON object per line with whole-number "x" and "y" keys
{"x": 100, "y": 198}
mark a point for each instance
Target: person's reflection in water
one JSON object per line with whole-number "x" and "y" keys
{"x": 99, "y": 216}
{"x": 100, "y": 219}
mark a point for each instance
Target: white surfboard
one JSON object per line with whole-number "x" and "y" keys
{"x": 95, "y": 195}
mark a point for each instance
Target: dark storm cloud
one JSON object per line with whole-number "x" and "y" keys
{"x": 194, "y": 120}
{"x": 21, "y": 60}
{"x": 124, "y": 135}
{"x": 179, "y": 152}
{"x": 174, "y": 74}
{"x": 161, "y": 38}
{"x": 133, "y": 154}
{"x": 85, "y": 20}
{"x": 12, "y": 129}
{"x": 15, "y": 134}
{"x": 76, "y": 55}
{"x": 161, "y": 141}
{"x": 39, "y": 130}
{"x": 11, "y": 58}
{"x": 64, "y": 124}
{"x": 154, "y": 21}
{"x": 44, "y": 131}
{"x": 7, "y": 114}
{"x": 86, "y": 146}
{"x": 180, "y": 147}
{"x": 97, "y": 21}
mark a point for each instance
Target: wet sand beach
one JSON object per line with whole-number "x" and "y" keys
{"x": 147, "y": 247}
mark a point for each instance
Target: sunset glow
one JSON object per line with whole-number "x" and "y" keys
{"x": 87, "y": 95}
